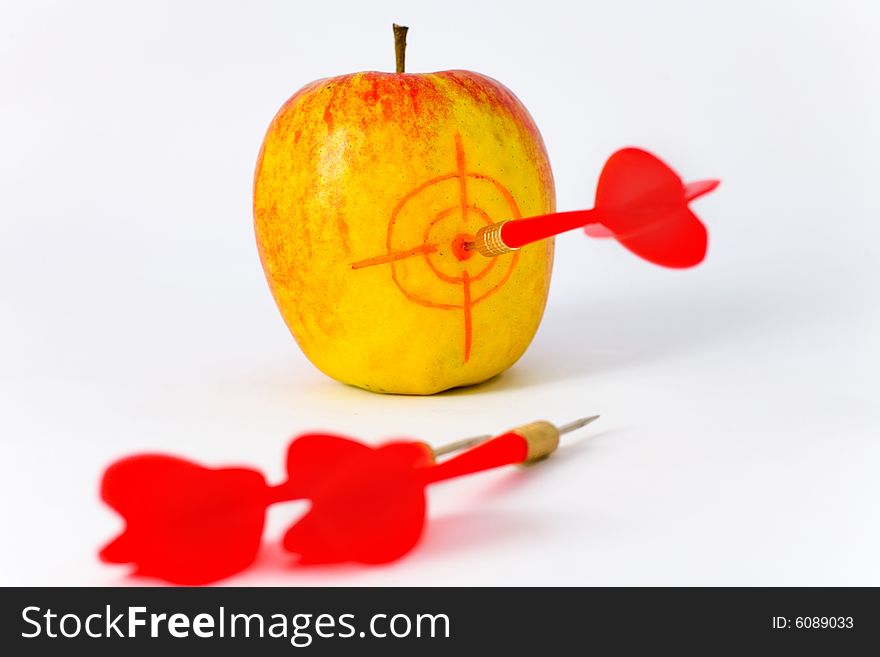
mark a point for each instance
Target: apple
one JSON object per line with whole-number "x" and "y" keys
{"x": 365, "y": 189}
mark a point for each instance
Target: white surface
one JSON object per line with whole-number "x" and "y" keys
{"x": 739, "y": 435}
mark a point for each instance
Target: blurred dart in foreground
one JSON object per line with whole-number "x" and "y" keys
{"x": 189, "y": 524}
{"x": 640, "y": 201}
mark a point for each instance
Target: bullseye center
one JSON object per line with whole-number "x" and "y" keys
{"x": 449, "y": 231}
{"x": 458, "y": 249}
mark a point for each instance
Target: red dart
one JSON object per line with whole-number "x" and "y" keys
{"x": 188, "y": 524}
{"x": 640, "y": 201}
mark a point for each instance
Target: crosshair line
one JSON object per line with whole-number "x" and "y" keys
{"x": 461, "y": 171}
{"x": 394, "y": 256}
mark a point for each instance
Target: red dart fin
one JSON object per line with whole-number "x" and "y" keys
{"x": 369, "y": 508}
{"x": 313, "y": 456}
{"x": 644, "y": 204}
{"x": 696, "y": 189}
{"x": 598, "y": 231}
{"x": 185, "y": 523}
{"x": 119, "y": 550}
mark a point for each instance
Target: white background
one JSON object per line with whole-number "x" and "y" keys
{"x": 739, "y": 435}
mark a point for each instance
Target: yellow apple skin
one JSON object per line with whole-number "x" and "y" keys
{"x": 362, "y": 186}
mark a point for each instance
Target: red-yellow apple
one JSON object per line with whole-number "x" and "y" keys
{"x": 365, "y": 188}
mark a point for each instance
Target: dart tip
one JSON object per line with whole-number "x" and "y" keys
{"x": 577, "y": 424}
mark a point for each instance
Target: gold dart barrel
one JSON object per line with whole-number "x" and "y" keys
{"x": 542, "y": 439}
{"x": 488, "y": 241}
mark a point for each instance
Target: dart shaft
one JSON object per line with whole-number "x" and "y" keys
{"x": 525, "y": 444}
{"x": 506, "y": 236}
{"x": 464, "y": 443}
{"x": 520, "y": 232}
{"x": 506, "y": 449}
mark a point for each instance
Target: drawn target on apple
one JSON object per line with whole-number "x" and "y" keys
{"x": 427, "y": 231}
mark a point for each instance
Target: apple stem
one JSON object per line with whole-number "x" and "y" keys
{"x": 400, "y": 46}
